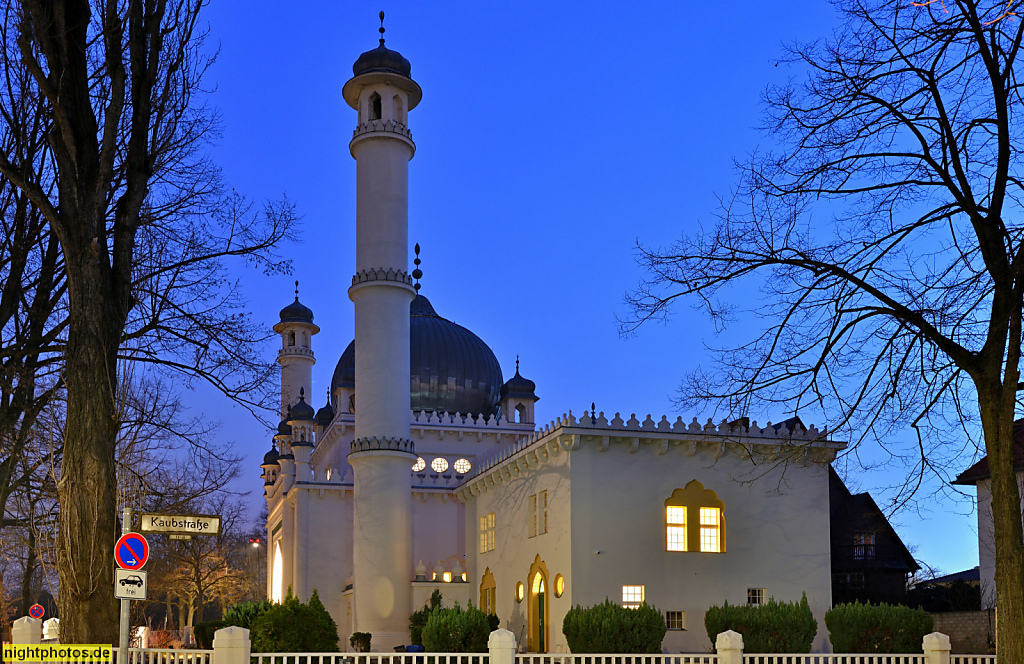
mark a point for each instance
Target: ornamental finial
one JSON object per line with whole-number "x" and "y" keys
{"x": 381, "y": 28}
{"x": 417, "y": 272}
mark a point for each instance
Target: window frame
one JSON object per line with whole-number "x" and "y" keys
{"x": 630, "y": 593}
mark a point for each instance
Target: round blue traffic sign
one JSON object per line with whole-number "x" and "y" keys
{"x": 131, "y": 551}
{"x": 36, "y": 611}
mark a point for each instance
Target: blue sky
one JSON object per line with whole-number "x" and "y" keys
{"x": 550, "y": 139}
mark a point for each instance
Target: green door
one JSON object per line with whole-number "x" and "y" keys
{"x": 540, "y": 621}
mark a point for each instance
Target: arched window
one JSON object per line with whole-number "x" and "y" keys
{"x": 487, "y": 592}
{"x": 396, "y": 109}
{"x": 520, "y": 413}
{"x": 375, "y": 107}
{"x": 277, "y": 575}
{"x": 291, "y": 338}
{"x": 694, "y": 520}
{"x": 352, "y": 403}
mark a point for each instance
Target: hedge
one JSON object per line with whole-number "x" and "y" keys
{"x": 456, "y": 630}
{"x": 775, "y": 627}
{"x": 612, "y": 628}
{"x": 877, "y": 628}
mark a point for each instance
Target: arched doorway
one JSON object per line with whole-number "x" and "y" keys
{"x": 538, "y": 615}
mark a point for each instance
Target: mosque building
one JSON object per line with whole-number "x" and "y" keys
{"x": 426, "y": 469}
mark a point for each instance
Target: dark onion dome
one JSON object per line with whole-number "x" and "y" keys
{"x": 325, "y": 415}
{"x": 284, "y": 429}
{"x": 518, "y": 387}
{"x": 451, "y": 370}
{"x": 296, "y": 312}
{"x": 271, "y": 457}
{"x": 301, "y": 411}
{"x": 382, "y": 59}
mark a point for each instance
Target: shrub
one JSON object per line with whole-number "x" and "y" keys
{"x": 418, "y": 619}
{"x": 775, "y": 627}
{"x": 244, "y": 614}
{"x": 881, "y": 628}
{"x": 611, "y": 628}
{"x": 204, "y": 632}
{"x": 493, "y": 622}
{"x": 456, "y": 630}
{"x": 360, "y": 641}
{"x": 292, "y": 626}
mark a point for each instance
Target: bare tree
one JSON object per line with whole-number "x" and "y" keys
{"x": 906, "y": 307}
{"x": 143, "y": 223}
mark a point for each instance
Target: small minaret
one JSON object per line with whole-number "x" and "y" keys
{"x": 382, "y": 453}
{"x": 296, "y": 355}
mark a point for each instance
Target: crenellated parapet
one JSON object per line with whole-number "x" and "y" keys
{"x": 374, "y": 444}
{"x": 786, "y": 441}
{"x": 387, "y": 126}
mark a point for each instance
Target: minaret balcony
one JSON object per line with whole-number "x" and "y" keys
{"x": 295, "y": 351}
{"x": 387, "y": 126}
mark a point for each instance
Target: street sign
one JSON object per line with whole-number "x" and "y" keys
{"x": 36, "y": 611}
{"x": 181, "y": 524}
{"x": 129, "y": 584}
{"x": 183, "y": 538}
{"x": 131, "y": 551}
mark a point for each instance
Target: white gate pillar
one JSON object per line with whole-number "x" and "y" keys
{"x": 27, "y": 631}
{"x": 231, "y": 645}
{"x": 936, "y": 648}
{"x": 729, "y": 646}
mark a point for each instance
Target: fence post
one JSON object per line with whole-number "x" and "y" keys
{"x": 501, "y": 645}
{"x": 936, "y": 648}
{"x": 51, "y": 628}
{"x": 231, "y": 646}
{"x": 729, "y": 646}
{"x": 27, "y": 631}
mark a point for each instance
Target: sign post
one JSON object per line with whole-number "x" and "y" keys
{"x": 126, "y": 527}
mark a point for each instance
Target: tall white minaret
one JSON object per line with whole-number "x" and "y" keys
{"x": 296, "y": 355}
{"x": 382, "y": 454}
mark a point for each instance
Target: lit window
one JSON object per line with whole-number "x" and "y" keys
{"x": 419, "y": 465}
{"x": 439, "y": 465}
{"x": 755, "y": 596}
{"x": 709, "y": 525}
{"x": 864, "y": 546}
{"x": 447, "y": 576}
{"x": 694, "y": 520}
{"x": 675, "y": 528}
{"x": 538, "y": 513}
{"x": 487, "y": 533}
{"x": 675, "y": 619}
{"x": 487, "y": 593}
{"x": 632, "y": 596}
{"x": 330, "y": 471}
{"x": 462, "y": 466}
{"x": 520, "y": 591}
{"x": 277, "y": 575}
{"x": 559, "y": 585}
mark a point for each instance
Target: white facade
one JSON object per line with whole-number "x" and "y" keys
{"x": 987, "y": 539}
{"x": 375, "y": 504}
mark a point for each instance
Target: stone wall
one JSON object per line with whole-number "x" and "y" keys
{"x": 970, "y": 632}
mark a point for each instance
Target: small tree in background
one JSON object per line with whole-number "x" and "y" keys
{"x": 419, "y": 618}
{"x": 877, "y": 628}
{"x": 611, "y": 628}
{"x": 775, "y": 627}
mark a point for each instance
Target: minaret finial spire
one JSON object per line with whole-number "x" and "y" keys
{"x": 417, "y": 272}
{"x": 296, "y": 290}
{"x": 381, "y": 28}
{"x": 517, "y": 363}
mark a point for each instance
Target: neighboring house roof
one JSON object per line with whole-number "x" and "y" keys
{"x": 972, "y": 576}
{"x": 980, "y": 470}
{"x": 858, "y": 512}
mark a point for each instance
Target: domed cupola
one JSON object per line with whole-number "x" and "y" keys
{"x": 325, "y": 415}
{"x": 517, "y": 398}
{"x": 296, "y": 312}
{"x": 271, "y": 457}
{"x": 451, "y": 369}
{"x": 382, "y": 59}
{"x": 301, "y": 411}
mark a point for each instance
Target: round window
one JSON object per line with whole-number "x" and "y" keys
{"x": 559, "y": 585}
{"x": 462, "y": 466}
{"x": 520, "y": 592}
{"x": 439, "y": 465}
{"x": 419, "y": 465}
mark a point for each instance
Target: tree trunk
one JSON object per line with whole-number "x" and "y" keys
{"x": 87, "y": 486}
{"x": 1006, "y": 521}
{"x": 30, "y": 568}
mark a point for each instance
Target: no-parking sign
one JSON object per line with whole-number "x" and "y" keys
{"x": 36, "y": 611}
{"x": 131, "y": 551}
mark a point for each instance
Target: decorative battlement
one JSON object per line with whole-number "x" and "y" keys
{"x": 373, "y": 444}
{"x": 380, "y": 274}
{"x": 389, "y": 126}
{"x": 567, "y": 431}
{"x": 295, "y": 351}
